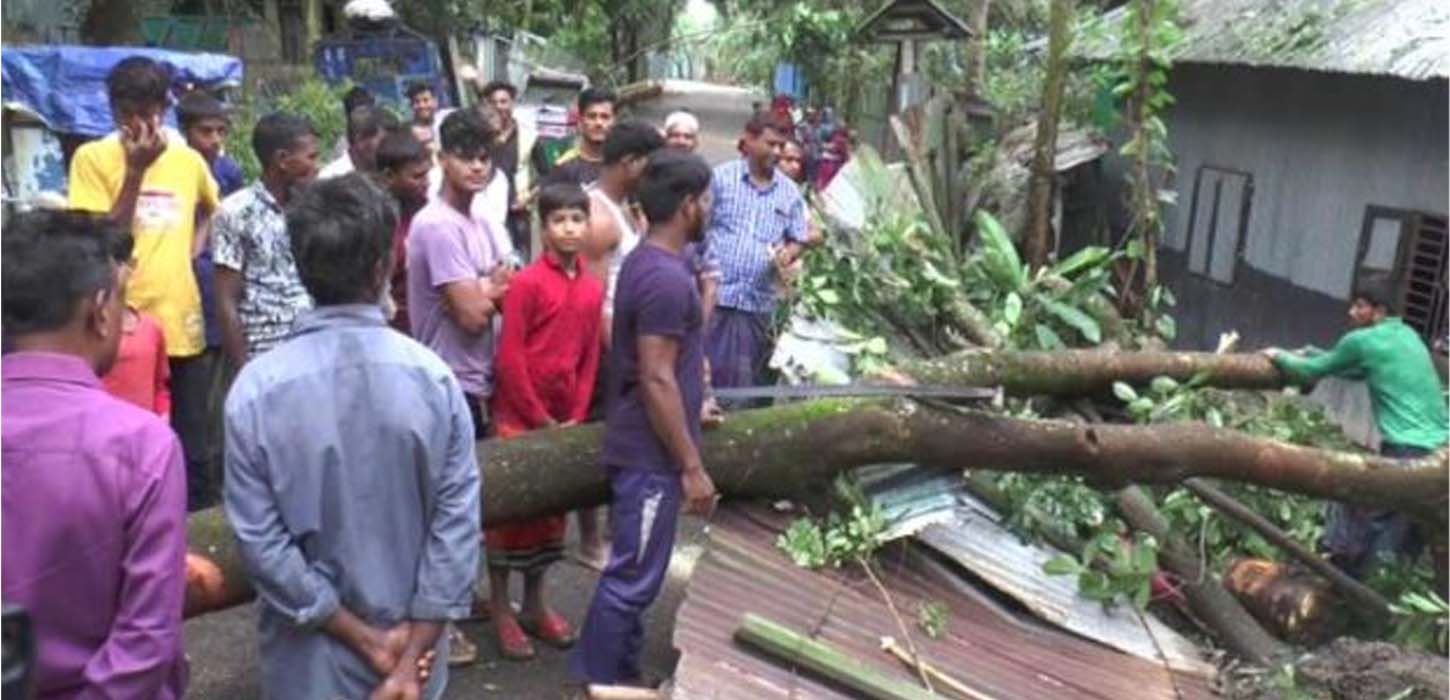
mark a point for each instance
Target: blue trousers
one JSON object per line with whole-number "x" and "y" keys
{"x": 643, "y": 514}
{"x": 1357, "y": 537}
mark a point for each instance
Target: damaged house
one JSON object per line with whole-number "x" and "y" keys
{"x": 1310, "y": 140}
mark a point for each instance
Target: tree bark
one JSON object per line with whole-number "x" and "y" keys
{"x": 1087, "y": 372}
{"x": 976, "y": 69}
{"x": 1038, "y": 241}
{"x": 795, "y": 448}
{"x": 1209, "y": 600}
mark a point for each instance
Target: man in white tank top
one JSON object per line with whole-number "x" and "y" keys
{"x": 614, "y": 226}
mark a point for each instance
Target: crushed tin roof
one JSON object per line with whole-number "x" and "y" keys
{"x": 982, "y": 646}
{"x": 1404, "y": 38}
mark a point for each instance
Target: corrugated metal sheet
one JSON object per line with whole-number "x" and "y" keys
{"x": 744, "y": 572}
{"x": 1404, "y": 38}
{"x": 935, "y": 507}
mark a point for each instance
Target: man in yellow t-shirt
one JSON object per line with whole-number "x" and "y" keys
{"x": 165, "y": 190}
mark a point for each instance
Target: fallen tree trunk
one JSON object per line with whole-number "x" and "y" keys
{"x": 794, "y": 448}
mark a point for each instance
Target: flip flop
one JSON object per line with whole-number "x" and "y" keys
{"x": 512, "y": 643}
{"x": 553, "y": 630}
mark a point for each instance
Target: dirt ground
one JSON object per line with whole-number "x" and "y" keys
{"x": 1350, "y": 669}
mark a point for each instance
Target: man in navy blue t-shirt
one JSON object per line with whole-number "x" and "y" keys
{"x": 652, "y": 429}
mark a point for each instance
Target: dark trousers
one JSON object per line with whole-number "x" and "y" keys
{"x": 1358, "y": 537}
{"x": 191, "y": 382}
{"x": 738, "y": 344}
{"x": 643, "y": 514}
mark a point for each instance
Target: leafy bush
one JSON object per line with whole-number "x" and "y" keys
{"x": 317, "y": 101}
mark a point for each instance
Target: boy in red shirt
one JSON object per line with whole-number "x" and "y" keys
{"x": 141, "y": 371}
{"x": 548, "y": 357}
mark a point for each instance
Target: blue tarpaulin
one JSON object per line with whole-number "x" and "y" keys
{"x": 66, "y": 85}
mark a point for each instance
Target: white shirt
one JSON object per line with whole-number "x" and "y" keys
{"x": 337, "y": 168}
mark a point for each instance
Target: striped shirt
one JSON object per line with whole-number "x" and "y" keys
{"x": 747, "y": 223}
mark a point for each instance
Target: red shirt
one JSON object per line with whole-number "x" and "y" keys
{"x": 548, "y": 353}
{"x": 141, "y": 370}
{"x": 398, "y": 284}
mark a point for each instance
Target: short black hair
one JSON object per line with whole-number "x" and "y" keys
{"x": 365, "y": 121}
{"x": 418, "y": 87}
{"x": 591, "y": 96}
{"x": 196, "y": 106}
{"x": 762, "y": 120}
{"x": 465, "y": 133}
{"x": 340, "y": 229}
{"x": 399, "y": 148}
{"x": 668, "y": 179}
{"x": 278, "y": 131}
{"x": 138, "y": 81}
{"x": 562, "y": 195}
{"x": 51, "y": 260}
{"x": 1378, "y": 288}
{"x": 358, "y": 96}
{"x": 497, "y": 85}
{"x": 631, "y": 138}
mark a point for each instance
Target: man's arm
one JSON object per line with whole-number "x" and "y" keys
{"x": 443, "y": 261}
{"x": 208, "y": 195}
{"x": 1343, "y": 360}
{"x": 665, "y": 406}
{"x": 138, "y": 655}
{"x": 601, "y": 240}
{"x": 300, "y": 591}
{"x": 228, "y": 288}
{"x": 470, "y": 304}
{"x": 446, "y": 570}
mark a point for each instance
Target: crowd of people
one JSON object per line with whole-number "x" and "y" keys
{"x": 332, "y": 349}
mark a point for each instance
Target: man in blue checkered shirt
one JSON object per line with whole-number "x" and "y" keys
{"x": 757, "y": 229}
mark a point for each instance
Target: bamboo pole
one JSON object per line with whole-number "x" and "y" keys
{"x": 797, "y": 649}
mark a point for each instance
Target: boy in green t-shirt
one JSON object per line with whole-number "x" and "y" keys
{"x": 1409, "y": 409}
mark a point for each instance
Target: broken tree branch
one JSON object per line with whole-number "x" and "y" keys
{"x": 1088, "y": 372}
{"x": 1373, "y": 604}
{"x": 1209, "y": 600}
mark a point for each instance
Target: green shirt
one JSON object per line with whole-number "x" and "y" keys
{"x": 1409, "y": 400}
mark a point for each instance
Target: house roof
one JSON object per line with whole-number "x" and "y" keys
{"x": 998, "y": 657}
{"x": 1403, "y": 38}
{"x": 912, "y": 19}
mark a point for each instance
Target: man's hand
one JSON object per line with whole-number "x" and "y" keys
{"x": 400, "y": 685}
{"x": 699, "y": 490}
{"x": 383, "y": 649}
{"x": 711, "y": 415}
{"x": 143, "y": 142}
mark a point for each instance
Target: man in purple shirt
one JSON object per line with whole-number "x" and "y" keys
{"x": 94, "y": 505}
{"x": 652, "y": 433}
{"x": 457, "y": 278}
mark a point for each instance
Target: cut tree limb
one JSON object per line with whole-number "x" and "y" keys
{"x": 793, "y": 448}
{"x": 1088, "y": 372}
{"x": 1209, "y": 600}
{"x": 1374, "y": 605}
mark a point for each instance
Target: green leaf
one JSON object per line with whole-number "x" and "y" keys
{"x": 1061, "y": 565}
{"x": 1167, "y": 328}
{"x": 1134, "y": 249}
{"x": 828, "y": 297}
{"x": 1163, "y": 386}
{"x": 1012, "y": 309}
{"x": 1141, "y": 595}
{"x": 1145, "y": 556}
{"x": 1213, "y": 417}
{"x": 999, "y": 253}
{"x": 1141, "y": 406}
{"x": 936, "y": 277}
{"x": 1124, "y": 392}
{"x": 1079, "y": 321}
{"x": 1047, "y": 339}
{"x": 1089, "y": 257}
{"x": 876, "y": 346}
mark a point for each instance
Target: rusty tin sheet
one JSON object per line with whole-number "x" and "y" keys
{"x": 745, "y": 572}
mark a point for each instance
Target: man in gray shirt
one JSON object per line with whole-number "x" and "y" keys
{"x": 351, "y": 480}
